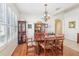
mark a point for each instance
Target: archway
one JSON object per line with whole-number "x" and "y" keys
{"x": 58, "y": 26}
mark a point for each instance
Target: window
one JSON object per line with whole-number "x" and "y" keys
{"x": 2, "y": 25}
{"x": 15, "y": 22}
{"x": 2, "y": 33}
{"x": 1, "y": 12}
{"x": 8, "y": 18}
{"x": 8, "y": 15}
{"x": 8, "y": 24}
{"x": 16, "y": 25}
{"x": 12, "y": 24}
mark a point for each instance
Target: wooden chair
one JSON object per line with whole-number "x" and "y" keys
{"x": 59, "y": 44}
{"x": 48, "y": 45}
{"x": 38, "y": 38}
{"x": 37, "y": 48}
{"x": 30, "y": 40}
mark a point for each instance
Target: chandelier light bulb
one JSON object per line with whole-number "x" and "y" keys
{"x": 46, "y": 16}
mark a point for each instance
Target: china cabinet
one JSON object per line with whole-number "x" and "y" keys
{"x": 21, "y": 32}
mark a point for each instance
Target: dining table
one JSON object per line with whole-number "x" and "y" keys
{"x": 40, "y": 42}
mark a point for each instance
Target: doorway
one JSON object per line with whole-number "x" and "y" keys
{"x": 58, "y": 26}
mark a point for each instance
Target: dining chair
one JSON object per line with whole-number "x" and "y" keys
{"x": 30, "y": 45}
{"x": 59, "y": 44}
{"x": 48, "y": 45}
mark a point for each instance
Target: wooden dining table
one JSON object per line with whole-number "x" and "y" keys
{"x": 41, "y": 42}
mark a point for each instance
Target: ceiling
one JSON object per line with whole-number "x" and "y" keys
{"x": 38, "y": 8}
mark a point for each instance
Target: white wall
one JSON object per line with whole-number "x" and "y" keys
{"x": 9, "y": 47}
{"x": 70, "y": 15}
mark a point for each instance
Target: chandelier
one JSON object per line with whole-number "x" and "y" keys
{"x": 46, "y": 16}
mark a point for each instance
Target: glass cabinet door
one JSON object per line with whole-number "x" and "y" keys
{"x": 19, "y": 27}
{"x": 23, "y": 27}
{"x": 22, "y": 31}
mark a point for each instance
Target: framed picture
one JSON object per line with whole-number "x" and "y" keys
{"x": 72, "y": 24}
{"x": 46, "y": 25}
{"x": 29, "y": 26}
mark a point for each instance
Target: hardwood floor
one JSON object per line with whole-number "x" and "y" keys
{"x": 70, "y": 52}
{"x": 21, "y": 51}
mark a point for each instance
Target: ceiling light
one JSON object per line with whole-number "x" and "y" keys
{"x": 46, "y": 16}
